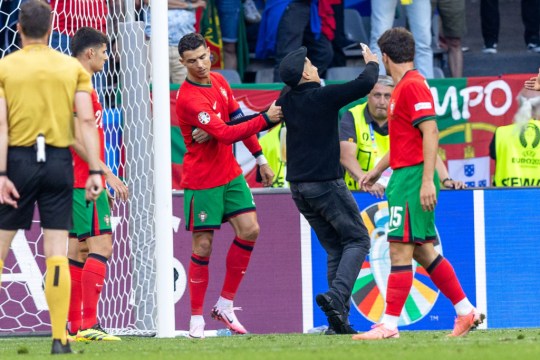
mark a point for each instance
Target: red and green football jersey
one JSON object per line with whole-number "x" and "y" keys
{"x": 80, "y": 167}
{"x": 410, "y": 104}
{"x": 210, "y": 107}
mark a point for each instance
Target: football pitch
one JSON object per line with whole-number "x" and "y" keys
{"x": 418, "y": 345}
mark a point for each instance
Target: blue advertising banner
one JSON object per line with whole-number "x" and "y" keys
{"x": 512, "y": 265}
{"x": 426, "y": 308}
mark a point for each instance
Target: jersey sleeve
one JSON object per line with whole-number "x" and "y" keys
{"x": 420, "y": 103}
{"x": 84, "y": 82}
{"x": 347, "y": 131}
{"x": 200, "y": 114}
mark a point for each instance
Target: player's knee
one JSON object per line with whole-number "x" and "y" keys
{"x": 203, "y": 247}
{"x": 250, "y": 233}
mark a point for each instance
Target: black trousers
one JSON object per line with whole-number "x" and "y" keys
{"x": 490, "y": 20}
{"x": 294, "y": 31}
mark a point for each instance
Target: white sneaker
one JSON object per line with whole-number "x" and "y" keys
{"x": 251, "y": 13}
{"x": 490, "y": 49}
{"x": 227, "y": 316}
{"x": 196, "y": 328}
{"x": 533, "y": 47}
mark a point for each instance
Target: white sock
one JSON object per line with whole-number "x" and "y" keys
{"x": 223, "y": 303}
{"x": 196, "y": 320}
{"x": 464, "y": 307}
{"x": 390, "y": 322}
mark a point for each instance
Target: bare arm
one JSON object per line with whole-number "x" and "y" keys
{"x": 87, "y": 123}
{"x": 446, "y": 181}
{"x": 8, "y": 192}
{"x": 369, "y": 179}
{"x": 348, "y": 159}
{"x": 430, "y": 136}
{"x": 120, "y": 189}
{"x": 187, "y": 4}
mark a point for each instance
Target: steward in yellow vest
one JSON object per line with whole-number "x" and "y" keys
{"x": 363, "y": 133}
{"x": 516, "y": 151}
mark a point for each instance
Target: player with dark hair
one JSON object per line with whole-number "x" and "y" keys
{"x": 39, "y": 88}
{"x": 412, "y": 191}
{"x": 90, "y": 239}
{"x": 215, "y": 189}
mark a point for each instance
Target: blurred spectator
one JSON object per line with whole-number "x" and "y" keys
{"x": 490, "y": 20}
{"x": 516, "y": 147}
{"x": 288, "y": 24}
{"x": 452, "y": 14}
{"x": 418, "y": 14}
{"x": 229, "y": 17}
{"x": 339, "y": 41}
{"x": 181, "y": 20}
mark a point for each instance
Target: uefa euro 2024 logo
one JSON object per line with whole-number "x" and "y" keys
{"x": 369, "y": 292}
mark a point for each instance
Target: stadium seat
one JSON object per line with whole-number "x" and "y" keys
{"x": 343, "y": 73}
{"x": 355, "y": 31}
{"x": 438, "y": 73}
{"x": 231, "y": 75}
{"x": 264, "y": 76}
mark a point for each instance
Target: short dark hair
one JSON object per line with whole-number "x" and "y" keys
{"x": 190, "y": 42}
{"x": 86, "y": 37}
{"x": 398, "y": 44}
{"x": 35, "y": 18}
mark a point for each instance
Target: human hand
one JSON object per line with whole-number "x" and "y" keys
{"x": 367, "y": 180}
{"x": 200, "y": 136}
{"x": 377, "y": 190}
{"x": 428, "y": 196}
{"x": 533, "y": 83}
{"x": 200, "y": 3}
{"x": 93, "y": 187}
{"x": 454, "y": 184}
{"x": 8, "y": 193}
{"x": 274, "y": 113}
{"x": 368, "y": 55}
{"x": 267, "y": 175}
{"x": 120, "y": 189}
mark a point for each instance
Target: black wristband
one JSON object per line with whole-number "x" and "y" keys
{"x": 445, "y": 180}
{"x": 96, "y": 172}
{"x": 3, "y": 173}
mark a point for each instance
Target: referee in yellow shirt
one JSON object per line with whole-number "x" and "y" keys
{"x": 39, "y": 87}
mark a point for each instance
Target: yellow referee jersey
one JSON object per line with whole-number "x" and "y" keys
{"x": 39, "y": 85}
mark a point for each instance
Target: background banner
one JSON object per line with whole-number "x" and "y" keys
{"x": 468, "y": 112}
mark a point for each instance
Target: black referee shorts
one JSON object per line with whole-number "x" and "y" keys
{"x": 50, "y": 184}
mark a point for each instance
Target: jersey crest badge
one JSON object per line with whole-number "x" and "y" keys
{"x": 203, "y": 117}
{"x": 202, "y": 216}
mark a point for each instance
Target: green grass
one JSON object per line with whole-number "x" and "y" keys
{"x": 428, "y": 345}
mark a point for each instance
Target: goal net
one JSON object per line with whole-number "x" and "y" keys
{"x": 128, "y": 301}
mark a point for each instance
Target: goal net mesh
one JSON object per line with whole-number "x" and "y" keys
{"x": 127, "y": 304}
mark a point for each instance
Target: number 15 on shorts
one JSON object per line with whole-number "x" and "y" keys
{"x": 396, "y": 218}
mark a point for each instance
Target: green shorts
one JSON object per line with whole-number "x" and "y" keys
{"x": 90, "y": 218}
{"x": 409, "y": 223}
{"x": 207, "y": 209}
